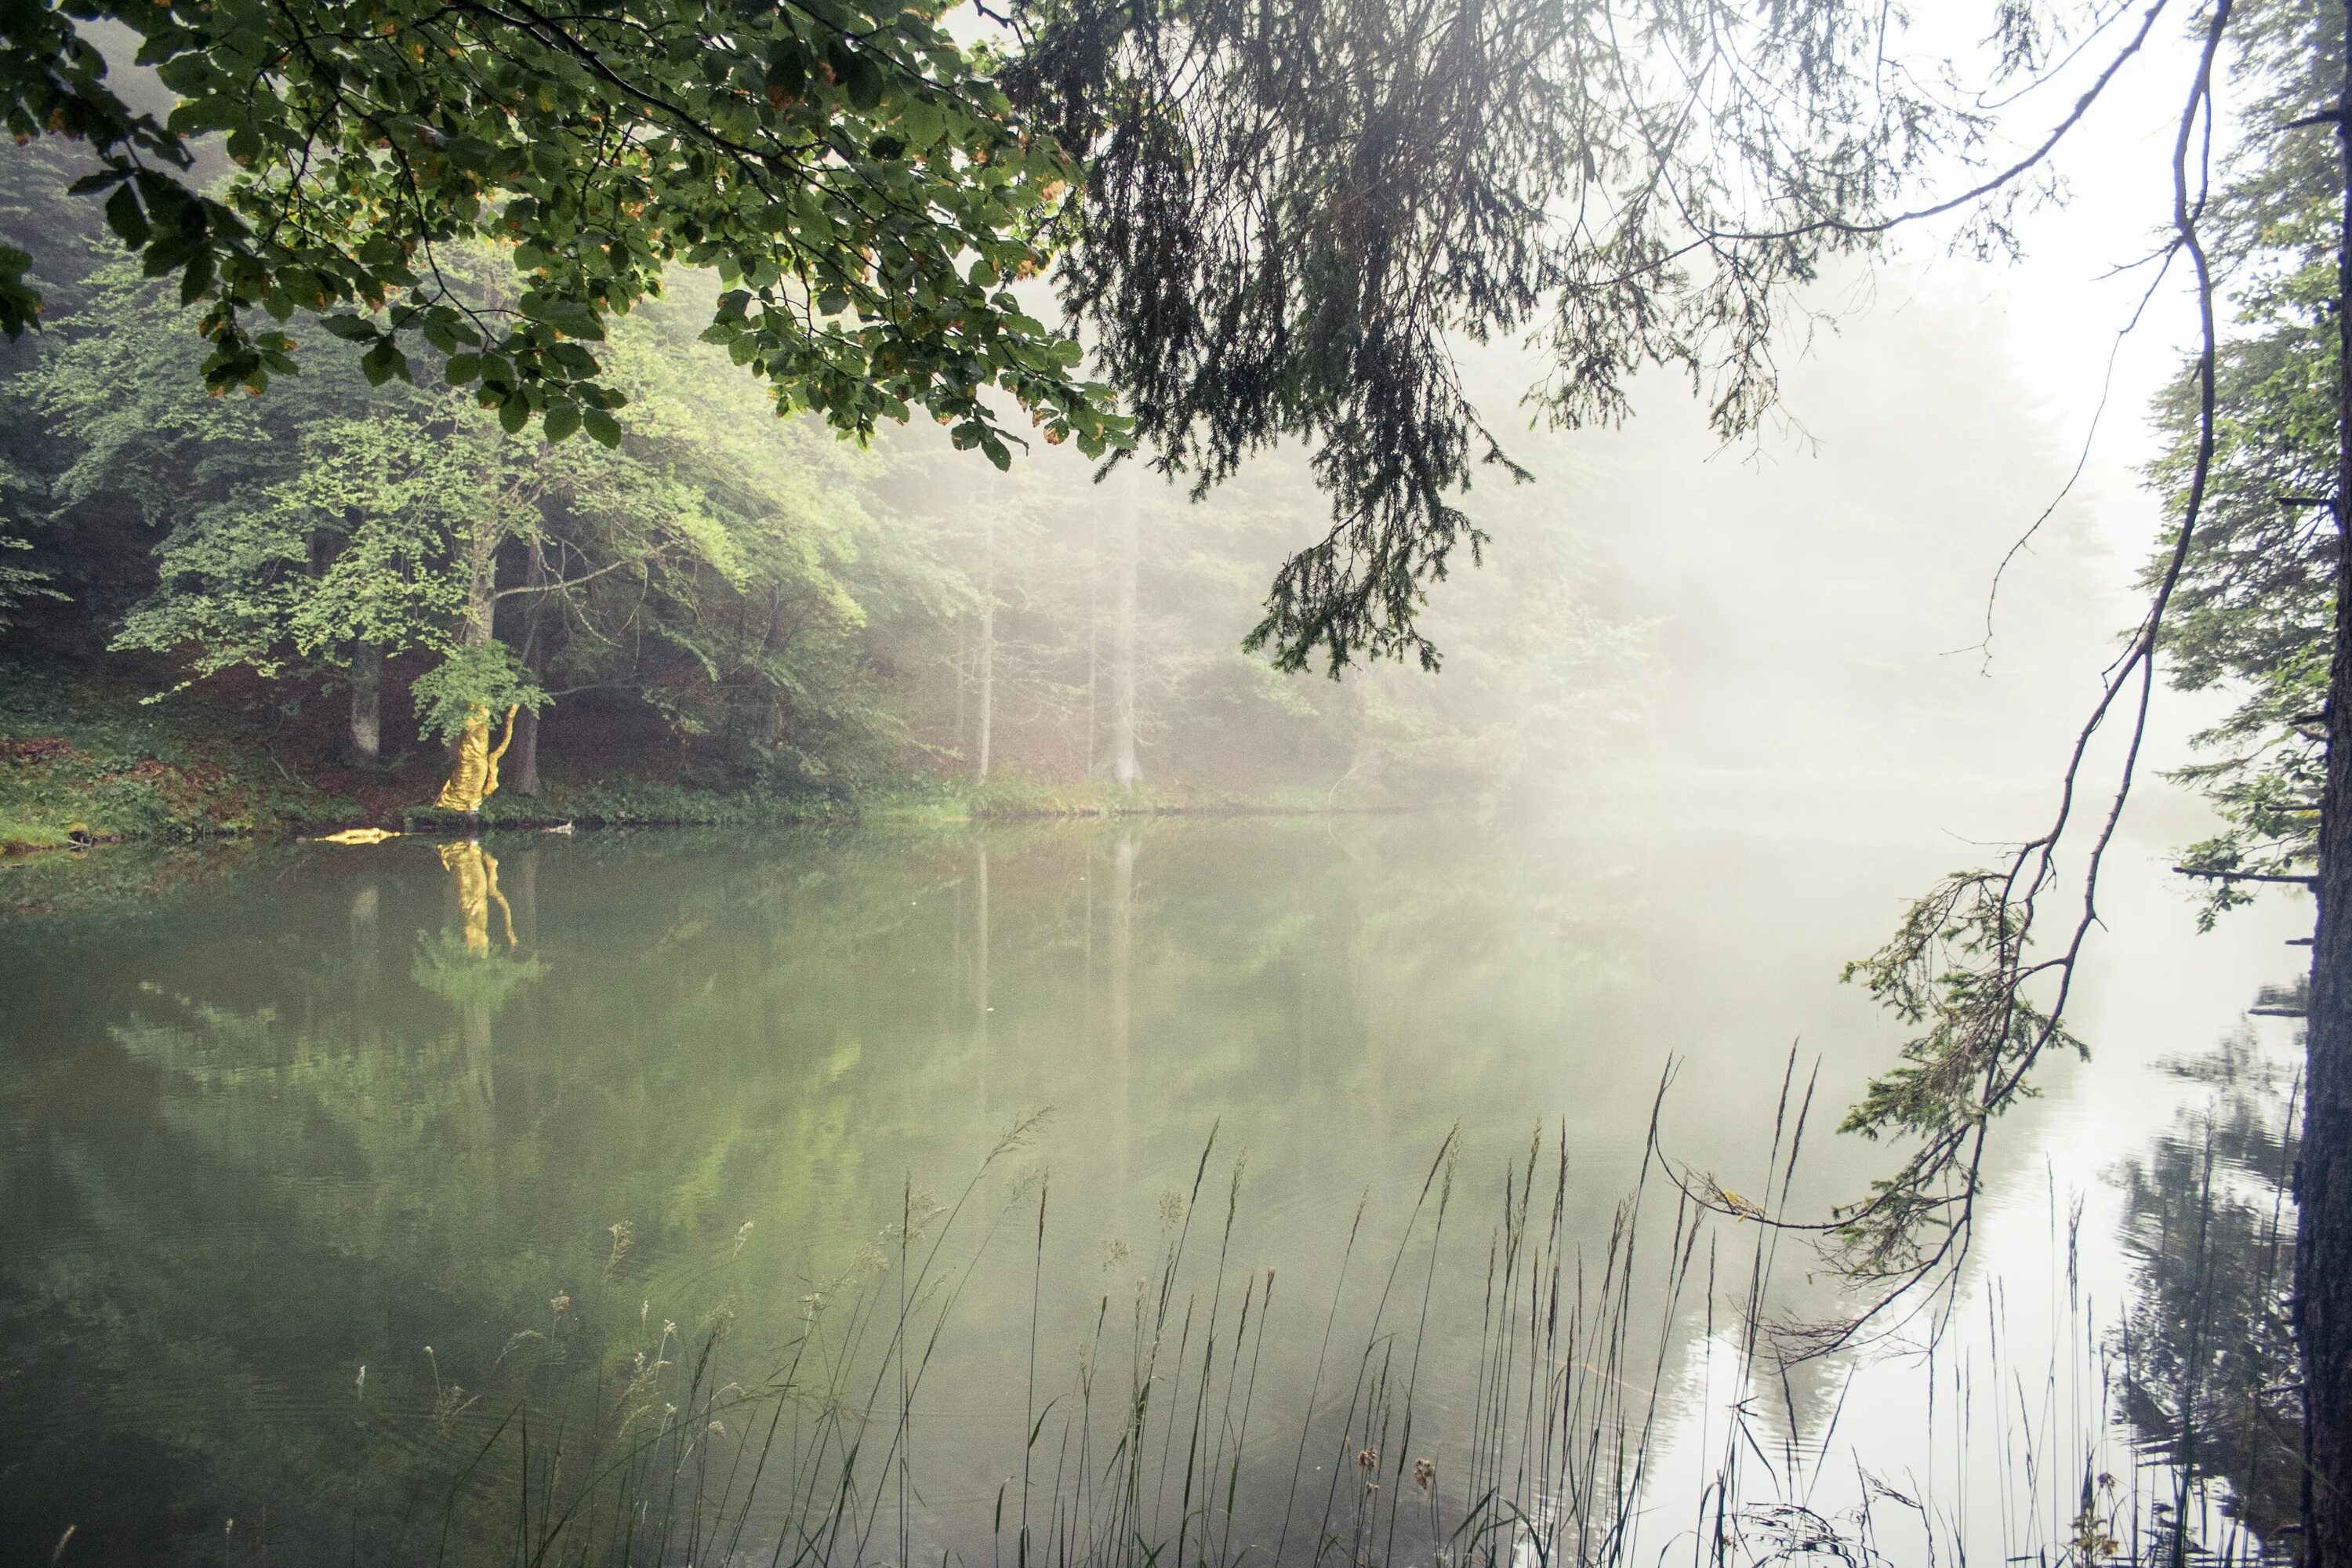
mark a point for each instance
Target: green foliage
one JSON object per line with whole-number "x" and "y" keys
{"x": 2256, "y": 605}
{"x": 720, "y": 602}
{"x": 470, "y": 979}
{"x": 1956, "y": 970}
{"x": 19, "y": 583}
{"x": 711, "y": 562}
{"x": 858, "y": 184}
{"x": 485, "y": 676}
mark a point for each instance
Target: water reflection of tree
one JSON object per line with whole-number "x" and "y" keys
{"x": 2208, "y": 1358}
{"x": 464, "y": 969}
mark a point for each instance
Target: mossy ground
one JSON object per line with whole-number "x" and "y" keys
{"x": 93, "y": 761}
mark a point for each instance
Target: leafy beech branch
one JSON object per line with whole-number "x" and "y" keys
{"x": 866, "y": 191}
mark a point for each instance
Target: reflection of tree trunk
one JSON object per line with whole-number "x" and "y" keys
{"x": 1122, "y": 955}
{"x": 367, "y": 952}
{"x": 1122, "y": 674}
{"x": 474, "y": 874}
{"x": 481, "y": 1057}
{"x": 987, "y": 660}
{"x": 367, "y": 700}
{"x": 2323, "y": 1257}
{"x": 979, "y": 964}
{"x": 523, "y": 873}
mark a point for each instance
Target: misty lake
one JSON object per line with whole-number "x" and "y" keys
{"x": 626, "y": 1127}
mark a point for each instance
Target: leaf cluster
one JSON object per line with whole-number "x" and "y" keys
{"x": 1956, "y": 970}
{"x": 862, "y": 188}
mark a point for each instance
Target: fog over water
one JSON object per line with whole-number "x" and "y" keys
{"x": 305, "y": 1110}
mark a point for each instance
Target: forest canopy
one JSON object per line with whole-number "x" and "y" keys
{"x": 739, "y": 602}
{"x": 1269, "y": 225}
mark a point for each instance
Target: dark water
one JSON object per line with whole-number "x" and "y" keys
{"x": 277, "y": 1114}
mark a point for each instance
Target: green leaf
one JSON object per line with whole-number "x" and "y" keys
{"x": 602, "y": 428}
{"x": 569, "y": 316}
{"x": 862, "y": 83}
{"x": 562, "y": 419}
{"x": 125, "y": 218}
{"x": 198, "y": 279}
{"x": 514, "y": 414}
{"x": 384, "y": 362}
{"x": 787, "y": 70}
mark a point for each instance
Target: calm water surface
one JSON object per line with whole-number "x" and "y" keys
{"x": 276, "y": 1114}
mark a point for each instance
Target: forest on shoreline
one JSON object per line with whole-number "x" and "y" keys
{"x": 232, "y": 614}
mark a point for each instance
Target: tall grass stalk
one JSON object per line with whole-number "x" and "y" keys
{"x": 1538, "y": 1447}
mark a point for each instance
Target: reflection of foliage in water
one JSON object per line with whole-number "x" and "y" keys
{"x": 453, "y": 970}
{"x": 2207, "y": 1350}
{"x": 738, "y": 1033}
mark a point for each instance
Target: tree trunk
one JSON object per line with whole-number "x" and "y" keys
{"x": 367, "y": 700}
{"x": 2323, "y": 1188}
{"x": 962, "y": 680}
{"x": 471, "y": 764}
{"x": 525, "y": 765}
{"x": 987, "y": 658}
{"x": 1094, "y": 638}
{"x": 482, "y": 587}
{"x": 1123, "y": 669}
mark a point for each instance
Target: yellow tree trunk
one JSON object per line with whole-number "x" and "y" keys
{"x": 474, "y": 776}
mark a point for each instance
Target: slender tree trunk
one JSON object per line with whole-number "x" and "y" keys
{"x": 523, "y": 765}
{"x": 1122, "y": 670}
{"x": 1094, "y": 637}
{"x": 987, "y": 658}
{"x": 2323, "y": 1253}
{"x": 482, "y": 587}
{"x": 962, "y": 680}
{"x": 367, "y": 700}
{"x": 521, "y": 768}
